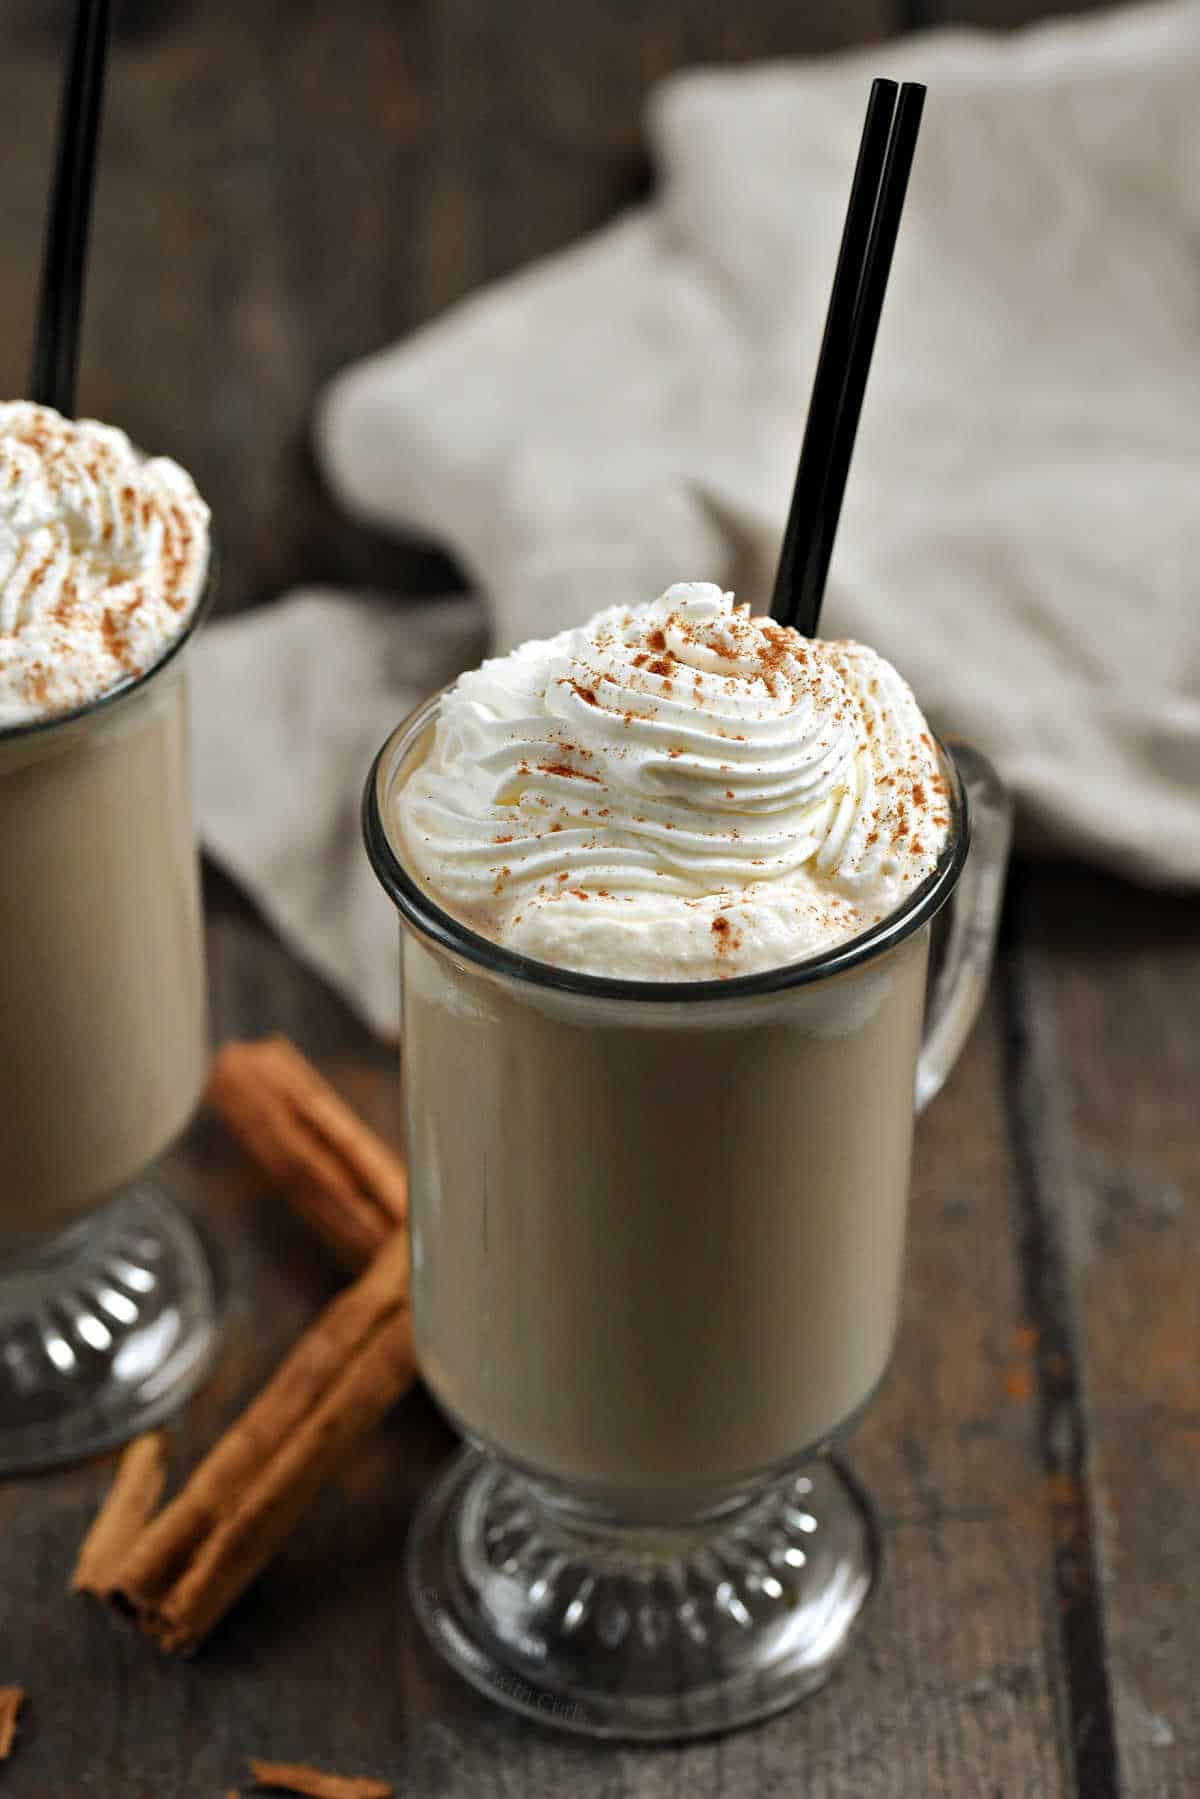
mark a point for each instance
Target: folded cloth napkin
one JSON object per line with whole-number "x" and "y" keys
{"x": 289, "y": 705}
{"x": 1021, "y": 523}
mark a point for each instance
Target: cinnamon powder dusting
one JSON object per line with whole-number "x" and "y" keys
{"x": 66, "y": 602}
{"x": 724, "y": 933}
{"x": 37, "y": 684}
{"x": 564, "y": 768}
{"x": 114, "y": 639}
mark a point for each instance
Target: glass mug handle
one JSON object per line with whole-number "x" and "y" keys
{"x": 959, "y": 980}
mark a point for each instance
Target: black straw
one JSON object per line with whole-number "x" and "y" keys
{"x": 851, "y": 325}
{"x": 64, "y": 260}
{"x": 825, "y": 399}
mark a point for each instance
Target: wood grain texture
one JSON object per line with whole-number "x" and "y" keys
{"x": 994, "y": 14}
{"x": 1110, "y": 992}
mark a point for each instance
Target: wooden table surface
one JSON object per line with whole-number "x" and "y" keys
{"x": 284, "y": 187}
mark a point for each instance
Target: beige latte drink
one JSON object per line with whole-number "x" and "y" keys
{"x": 660, "y": 1142}
{"x": 103, "y": 556}
{"x": 661, "y": 1254}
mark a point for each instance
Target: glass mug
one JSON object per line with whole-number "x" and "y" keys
{"x": 107, "y": 1306}
{"x": 657, "y": 1249}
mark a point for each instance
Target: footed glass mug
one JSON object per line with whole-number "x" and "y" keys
{"x": 657, "y": 1237}
{"x": 107, "y": 1307}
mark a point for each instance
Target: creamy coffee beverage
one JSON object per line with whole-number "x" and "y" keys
{"x": 103, "y": 558}
{"x": 658, "y": 1252}
{"x": 658, "y": 1231}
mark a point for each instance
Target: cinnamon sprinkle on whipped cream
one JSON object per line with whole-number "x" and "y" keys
{"x": 103, "y": 556}
{"x": 683, "y": 791}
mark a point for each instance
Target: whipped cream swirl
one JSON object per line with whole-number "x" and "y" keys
{"x": 679, "y": 791}
{"x": 103, "y": 555}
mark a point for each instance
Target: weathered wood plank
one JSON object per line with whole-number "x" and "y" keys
{"x": 543, "y": 112}
{"x": 1111, "y": 987}
{"x": 261, "y": 167}
{"x": 994, "y": 14}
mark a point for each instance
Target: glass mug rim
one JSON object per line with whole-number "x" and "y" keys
{"x": 101, "y": 702}
{"x": 447, "y": 933}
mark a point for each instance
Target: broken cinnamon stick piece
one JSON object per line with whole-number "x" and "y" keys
{"x": 337, "y": 1174}
{"x": 203, "y": 1550}
{"x": 11, "y": 1701}
{"x": 294, "y": 1777}
{"x": 133, "y": 1498}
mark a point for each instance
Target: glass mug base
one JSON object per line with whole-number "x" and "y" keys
{"x": 652, "y": 1635}
{"x": 102, "y": 1332}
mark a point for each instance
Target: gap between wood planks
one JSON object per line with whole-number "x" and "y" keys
{"x": 1040, "y": 1142}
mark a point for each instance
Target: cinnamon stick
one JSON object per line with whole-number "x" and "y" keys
{"x": 133, "y": 1498}
{"x": 295, "y": 1777}
{"x": 344, "y": 1182}
{"x": 11, "y": 1701}
{"x": 200, "y": 1553}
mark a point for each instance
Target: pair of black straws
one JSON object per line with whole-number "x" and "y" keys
{"x": 885, "y": 156}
